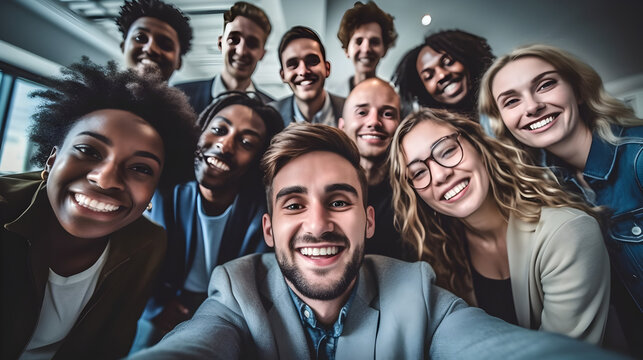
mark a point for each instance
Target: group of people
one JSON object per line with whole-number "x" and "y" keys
{"x": 449, "y": 213}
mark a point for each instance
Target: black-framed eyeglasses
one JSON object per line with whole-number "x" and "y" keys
{"x": 446, "y": 152}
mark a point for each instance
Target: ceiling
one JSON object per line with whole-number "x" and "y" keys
{"x": 606, "y": 34}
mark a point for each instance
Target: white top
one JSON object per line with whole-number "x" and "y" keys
{"x": 65, "y": 298}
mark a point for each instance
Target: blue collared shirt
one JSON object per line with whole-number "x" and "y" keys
{"x": 615, "y": 176}
{"x": 322, "y": 342}
{"x": 323, "y": 116}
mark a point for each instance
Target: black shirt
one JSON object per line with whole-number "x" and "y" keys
{"x": 494, "y": 297}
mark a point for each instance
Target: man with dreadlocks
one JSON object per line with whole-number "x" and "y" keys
{"x": 155, "y": 36}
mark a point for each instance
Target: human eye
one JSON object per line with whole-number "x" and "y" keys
{"x": 417, "y": 172}
{"x": 252, "y": 42}
{"x": 141, "y": 38}
{"x": 292, "y": 206}
{"x": 427, "y": 75}
{"x": 233, "y": 39}
{"x": 219, "y": 130}
{"x": 339, "y": 204}
{"x": 508, "y": 102}
{"x": 389, "y": 114}
{"x": 447, "y": 151}
{"x": 166, "y": 44}
{"x": 291, "y": 64}
{"x": 88, "y": 151}
{"x": 142, "y": 169}
{"x": 358, "y": 41}
{"x": 248, "y": 143}
{"x": 312, "y": 60}
{"x": 447, "y": 60}
{"x": 547, "y": 84}
{"x": 376, "y": 41}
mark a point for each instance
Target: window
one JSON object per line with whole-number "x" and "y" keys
{"x": 16, "y": 108}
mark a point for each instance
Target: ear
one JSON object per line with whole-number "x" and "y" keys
{"x": 51, "y": 159}
{"x": 180, "y": 63}
{"x": 281, "y": 73}
{"x": 219, "y": 40}
{"x": 340, "y": 123}
{"x": 370, "y": 222}
{"x": 327, "y": 68}
{"x": 263, "y": 52}
{"x": 267, "y": 230}
{"x": 122, "y": 46}
{"x": 346, "y": 52}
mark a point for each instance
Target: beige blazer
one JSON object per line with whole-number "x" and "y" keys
{"x": 560, "y": 273}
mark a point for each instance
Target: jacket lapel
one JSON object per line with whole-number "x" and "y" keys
{"x": 520, "y": 245}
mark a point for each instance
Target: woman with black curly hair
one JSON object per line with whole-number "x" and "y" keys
{"x": 78, "y": 260}
{"x": 444, "y": 72}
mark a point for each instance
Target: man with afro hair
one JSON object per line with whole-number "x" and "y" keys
{"x": 155, "y": 36}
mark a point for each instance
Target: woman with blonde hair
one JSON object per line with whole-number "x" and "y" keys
{"x": 553, "y": 105}
{"x": 498, "y": 232}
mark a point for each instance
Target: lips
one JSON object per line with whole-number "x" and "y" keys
{"x": 320, "y": 251}
{"x": 373, "y": 137}
{"x": 455, "y": 190}
{"x": 307, "y": 81}
{"x": 542, "y": 122}
{"x": 94, "y": 204}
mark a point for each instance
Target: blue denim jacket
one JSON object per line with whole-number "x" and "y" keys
{"x": 615, "y": 174}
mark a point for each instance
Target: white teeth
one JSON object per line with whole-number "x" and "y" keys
{"x": 456, "y": 190}
{"x": 217, "y": 163}
{"x": 371, "y": 137}
{"x": 306, "y": 82}
{"x": 147, "y": 62}
{"x": 325, "y": 251}
{"x": 450, "y": 89}
{"x": 93, "y": 204}
{"x": 541, "y": 123}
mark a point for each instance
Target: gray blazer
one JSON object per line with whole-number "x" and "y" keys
{"x": 285, "y": 106}
{"x": 397, "y": 313}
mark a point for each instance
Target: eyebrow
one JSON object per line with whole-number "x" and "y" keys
{"x": 341, "y": 187}
{"x": 535, "y": 79}
{"x": 108, "y": 142}
{"x": 291, "y": 190}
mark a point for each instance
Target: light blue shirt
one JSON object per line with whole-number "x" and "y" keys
{"x": 323, "y": 116}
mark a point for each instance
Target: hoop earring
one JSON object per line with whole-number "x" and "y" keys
{"x": 44, "y": 175}
{"x": 149, "y": 206}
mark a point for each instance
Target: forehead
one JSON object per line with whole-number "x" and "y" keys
{"x": 246, "y": 27}
{"x": 428, "y": 58}
{"x": 300, "y": 48}
{"x": 373, "y": 94}
{"x": 420, "y": 139}
{"x": 119, "y": 126}
{"x": 240, "y": 117}
{"x": 314, "y": 171}
{"x": 519, "y": 72}
{"x": 154, "y": 26}
{"x": 369, "y": 30}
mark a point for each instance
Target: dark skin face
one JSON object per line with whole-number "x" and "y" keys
{"x": 444, "y": 78}
{"x": 152, "y": 45}
{"x": 101, "y": 179}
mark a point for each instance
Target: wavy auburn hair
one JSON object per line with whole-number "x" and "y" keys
{"x": 598, "y": 109}
{"x": 517, "y": 188}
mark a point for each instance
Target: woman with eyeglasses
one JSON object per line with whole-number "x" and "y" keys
{"x": 499, "y": 233}
{"x": 215, "y": 218}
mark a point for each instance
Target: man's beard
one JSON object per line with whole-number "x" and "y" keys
{"x": 315, "y": 291}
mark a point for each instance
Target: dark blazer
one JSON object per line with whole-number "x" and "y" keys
{"x": 284, "y": 106}
{"x": 107, "y": 324}
{"x": 200, "y": 94}
{"x": 397, "y": 313}
{"x": 178, "y": 214}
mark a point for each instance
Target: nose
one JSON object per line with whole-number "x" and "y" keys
{"x": 302, "y": 69}
{"x": 226, "y": 144}
{"x": 441, "y": 73}
{"x": 106, "y": 176}
{"x": 365, "y": 46}
{"x": 151, "y": 47}
{"x": 533, "y": 105}
{"x": 373, "y": 119}
{"x": 439, "y": 173}
{"x": 318, "y": 221}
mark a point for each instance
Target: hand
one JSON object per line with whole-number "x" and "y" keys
{"x": 173, "y": 314}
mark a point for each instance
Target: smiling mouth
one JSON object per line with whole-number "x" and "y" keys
{"x": 541, "y": 123}
{"x": 452, "y": 88}
{"x": 456, "y": 189}
{"x": 94, "y": 205}
{"x": 372, "y": 137}
{"x": 216, "y": 163}
{"x": 320, "y": 251}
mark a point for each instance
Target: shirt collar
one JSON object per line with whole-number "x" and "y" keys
{"x": 307, "y": 315}
{"x": 323, "y": 116}
{"x": 218, "y": 87}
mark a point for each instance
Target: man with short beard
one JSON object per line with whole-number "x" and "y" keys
{"x": 245, "y": 31}
{"x": 304, "y": 68}
{"x": 319, "y": 297}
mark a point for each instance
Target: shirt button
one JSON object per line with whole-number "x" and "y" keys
{"x": 636, "y": 231}
{"x": 306, "y": 314}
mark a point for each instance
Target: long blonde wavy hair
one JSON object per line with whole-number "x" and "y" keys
{"x": 598, "y": 110}
{"x": 517, "y": 188}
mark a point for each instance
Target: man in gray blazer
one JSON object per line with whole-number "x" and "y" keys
{"x": 319, "y": 297}
{"x": 304, "y": 68}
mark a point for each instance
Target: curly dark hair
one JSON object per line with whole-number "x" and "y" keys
{"x": 270, "y": 116}
{"x": 86, "y": 87}
{"x": 471, "y": 50}
{"x": 134, "y": 9}
{"x": 361, "y": 14}
{"x": 247, "y": 10}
